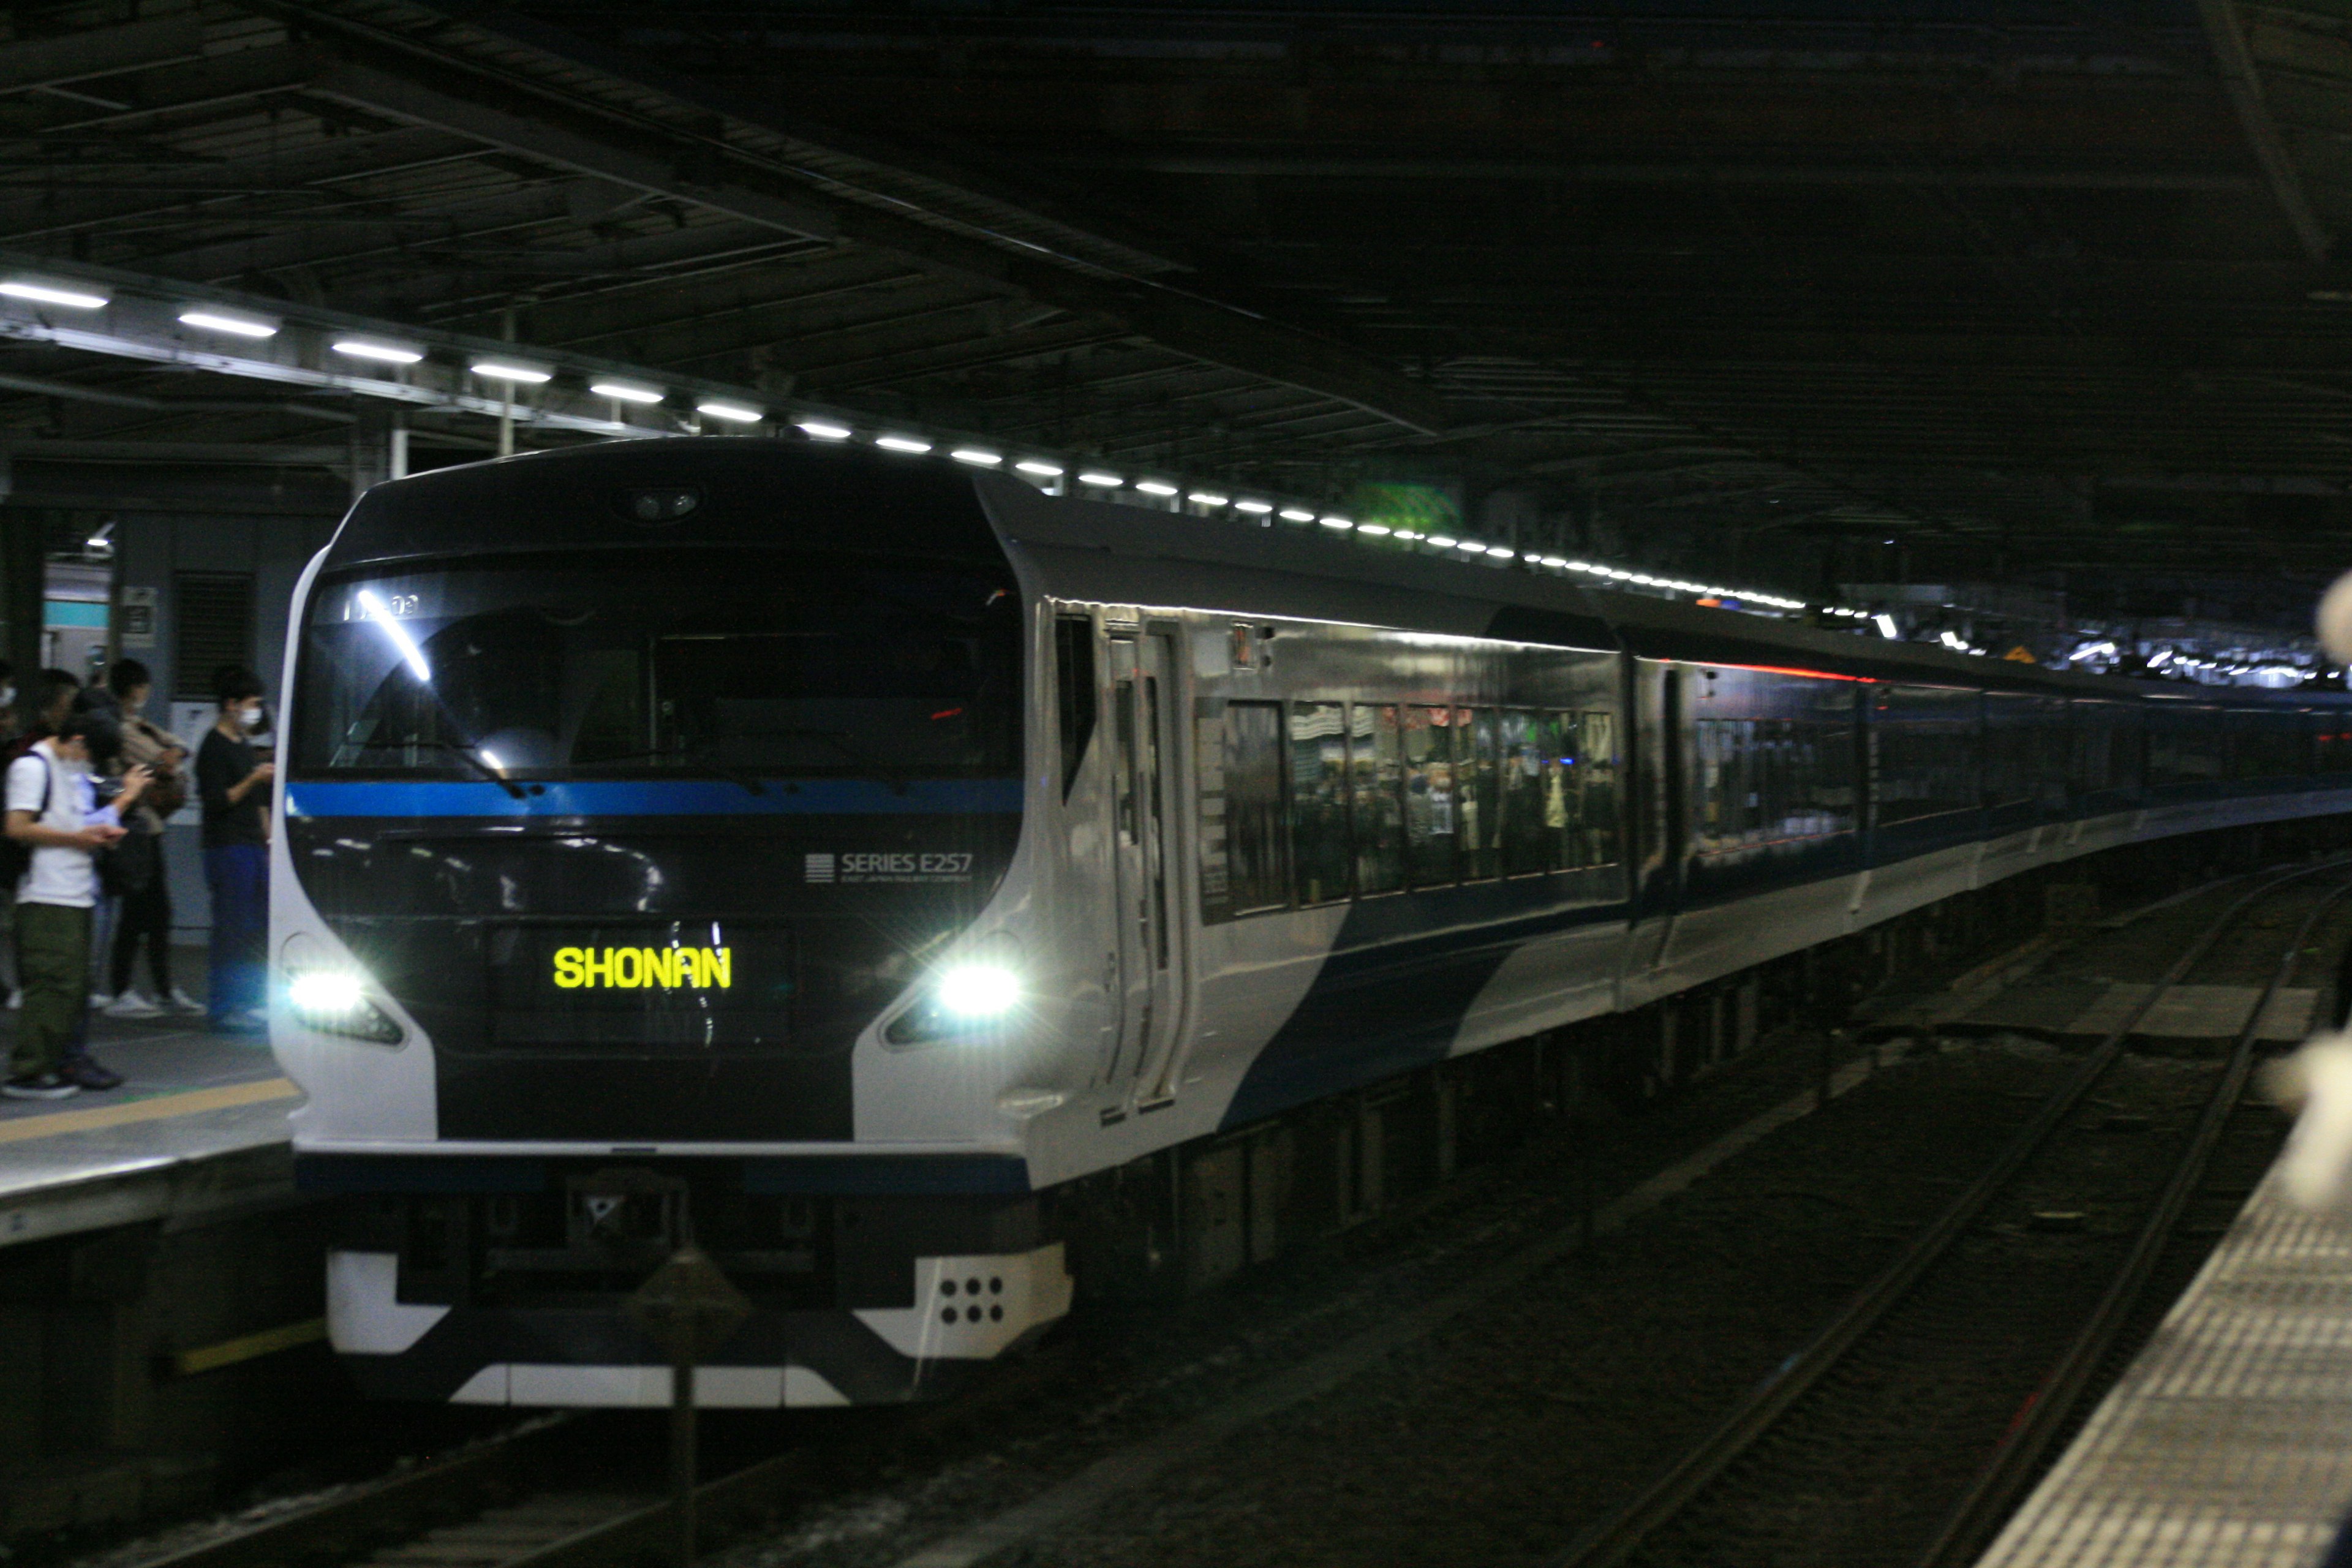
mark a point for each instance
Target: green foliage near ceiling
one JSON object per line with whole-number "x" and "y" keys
{"x": 1423, "y": 508}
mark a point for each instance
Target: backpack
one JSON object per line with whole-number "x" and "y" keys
{"x": 15, "y": 854}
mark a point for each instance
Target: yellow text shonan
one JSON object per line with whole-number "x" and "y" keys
{"x": 634, "y": 968}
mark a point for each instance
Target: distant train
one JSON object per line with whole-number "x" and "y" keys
{"x": 872, "y": 871}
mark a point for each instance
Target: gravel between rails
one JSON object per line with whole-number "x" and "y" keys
{"x": 1493, "y": 1440}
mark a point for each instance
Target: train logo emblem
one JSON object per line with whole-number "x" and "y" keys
{"x": 886, "y": 865}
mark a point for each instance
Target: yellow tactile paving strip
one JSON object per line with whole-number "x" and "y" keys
{"x": 186, "y": 1102}
{"x": 2229, "y": 1442}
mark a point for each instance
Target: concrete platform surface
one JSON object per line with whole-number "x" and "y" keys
{"x": 2228, "y": 1442}
{"x": 198, "y": 1125}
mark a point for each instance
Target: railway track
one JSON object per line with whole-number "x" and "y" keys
{"x": 550, "y": 1495}
{"x": 1954, "y": 1300}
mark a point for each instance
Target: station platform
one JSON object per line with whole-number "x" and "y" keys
{"x": 197, "y": 1128}
{"x": 2228, "y": 1442}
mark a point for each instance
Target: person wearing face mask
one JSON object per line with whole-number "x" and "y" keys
{"x": 53, "y": 812}
{"x": 233, "y": 781}
{"x": 146, "y": 913}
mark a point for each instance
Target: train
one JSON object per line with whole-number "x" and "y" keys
{"x": 930, "y": 897}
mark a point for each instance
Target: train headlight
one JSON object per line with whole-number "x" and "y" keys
{"x": 978, "y": 991}
{"x": 335, "y": 1002}
{"x": 968, "y": 998}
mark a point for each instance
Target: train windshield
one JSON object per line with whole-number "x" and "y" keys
{"x": 708, "y": 662}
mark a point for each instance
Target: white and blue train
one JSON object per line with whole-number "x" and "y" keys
{"x": 925, "y": 894}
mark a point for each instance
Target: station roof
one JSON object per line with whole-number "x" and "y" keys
{"x": 2032, "y": 287}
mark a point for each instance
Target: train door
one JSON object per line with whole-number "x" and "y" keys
{"x": 1150, "y": 949}
{"x": 1658, "y": 811}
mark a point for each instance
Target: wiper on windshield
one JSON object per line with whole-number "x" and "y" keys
{"x": 698, "y": 758}
{"x": 482, "y": 764}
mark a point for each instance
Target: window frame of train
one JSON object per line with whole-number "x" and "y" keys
{"x": 2264, "y": 743}
{"x": 1786, "y": 751}
{"x": 2331, "y": 740}
{"x": 1375, "y": 828}
{"x": 2108, "y": 754}
{"x": 2187, "y": 745}
{"x": 1965, "y": 720}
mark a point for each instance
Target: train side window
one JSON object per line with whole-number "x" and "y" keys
{"x": 1562, "y": 738}
{"x": 1074, "y": 692}
{"x": 1477, "y": 809}
{"x": 1826, "y": 746}
{"x": 1520, "y": 738}
{"x": 1376, "y": 773}
{"x": 2184, "y": 745}
{"x": 1429, "y": 796}
{"x": 1597, "y": 815}
{"x": 1925, "y": 743}
{"x": 1320, "y": 852}
{"x": 1257, "y": 875}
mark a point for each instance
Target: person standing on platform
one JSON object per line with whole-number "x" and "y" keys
{"x": 53, "y": 811}
{"x": 146, "y": 914}
{"x": 46, "y": 705}
{"x": 233, "y": 779}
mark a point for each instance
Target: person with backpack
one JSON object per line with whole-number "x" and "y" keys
{"x": 46, "y": 704}
{"x": 54, "y": 832}
{"x": 233, "y": 779}
{"x": 136, "y": 868}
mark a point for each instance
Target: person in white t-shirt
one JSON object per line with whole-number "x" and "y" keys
{"x": 52, "y": 807}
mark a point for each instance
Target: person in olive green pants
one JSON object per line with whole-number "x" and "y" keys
{"x": 52, "y": 957}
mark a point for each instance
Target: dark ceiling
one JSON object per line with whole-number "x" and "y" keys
{"x": 2036, "y": 292}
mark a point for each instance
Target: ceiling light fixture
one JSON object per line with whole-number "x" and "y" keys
{"x": 976, "y": 457}
{"x": 1043, "y": 470}
{"x": 733, "y": 413}
{"x": 1296, "y": 514}
{"x": 911, "y": 444}
{"x": 622, "y": 391}
{"x": 1208, "y": 498}
{"x": 381, "y": 354}
{"x": 500, "y": 370}
{"x": 1155, "y": 488}
{"x": 1254, "y": 507}
{"x": 1100, "y": 481}
{"x": 236, "y": 326}
{"x": 819, "y": 430}
{"x": 50, "y": 294}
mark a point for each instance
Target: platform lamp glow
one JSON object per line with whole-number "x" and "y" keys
{"x": 2335, "y": 619}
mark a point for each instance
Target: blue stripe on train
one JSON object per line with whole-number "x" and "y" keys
{"x": 651, "y": 797}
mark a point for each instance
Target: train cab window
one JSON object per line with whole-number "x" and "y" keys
{"x": 1257, "y": 873}
{"x": 1375, "y": 808}
{"x": 1075, "y": 698}
{"x": 1319, "y": 849}
{"x": 1479, "y": 817}
{"x": 1528, "y": 792}
{"x": 1429, "y": 796}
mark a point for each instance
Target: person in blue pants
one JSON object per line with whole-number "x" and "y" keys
{"x": 233, "y": 779}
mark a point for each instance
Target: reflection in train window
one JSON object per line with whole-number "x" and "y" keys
{"x": 1318, "y": 800}
{"x": 1376, "y": 769}
{"x": 1429, "y": 798}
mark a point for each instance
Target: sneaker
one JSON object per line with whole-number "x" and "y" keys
{"x": 99, "y": 1001}
{"x": 181, "y": 1001}
{"x": 16, "y": 1000}
{"x": 40, "y": 1086}
{"x": 130, "y": 1005}
{"x": 85, "y": 1072}
{"x": 249, "y": 1022}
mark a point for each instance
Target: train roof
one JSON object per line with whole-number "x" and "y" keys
{"x": 753, "y": 491}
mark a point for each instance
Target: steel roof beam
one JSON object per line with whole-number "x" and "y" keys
{"x": 29, "y": 64}
{"x": 714, "y": 177}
